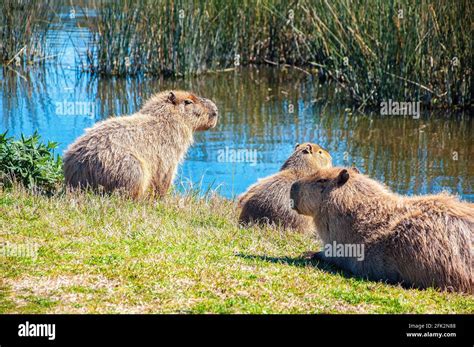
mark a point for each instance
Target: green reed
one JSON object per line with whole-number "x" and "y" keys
{"x": 24, "y": 25}
{"x": 404, "y": 50}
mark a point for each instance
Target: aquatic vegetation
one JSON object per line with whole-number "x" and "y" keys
{"x": 377, "y": 50}
{"x": 24, "y": 25}
{"x": 401, "y": 50}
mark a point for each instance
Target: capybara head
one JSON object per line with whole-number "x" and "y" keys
{"x": 308, "y": 156}
{"x": 310, "y": 193}
{"x": 200, "y": 113}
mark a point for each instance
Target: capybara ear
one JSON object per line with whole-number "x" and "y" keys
{"x": 356, "y": 170}
{"x": 308, "y": 149}
{"x": 172, "y": 98}
{"x": 296, "y": 146}
{"x": 342, "y": 177}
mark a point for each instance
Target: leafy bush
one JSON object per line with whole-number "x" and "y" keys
{"x": 29, "y": 162}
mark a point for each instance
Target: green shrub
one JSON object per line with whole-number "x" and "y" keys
{"x": 29, "y": 162}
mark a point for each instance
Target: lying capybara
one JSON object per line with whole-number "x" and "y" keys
{"x": 139, "y": 153}
{"x": 268, "y": 200}
{"x": 423, "y": 241}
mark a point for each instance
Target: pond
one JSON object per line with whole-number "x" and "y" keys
{"x": 264, "y": 111}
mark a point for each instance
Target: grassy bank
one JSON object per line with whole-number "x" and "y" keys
{"x": 183, "y": 254}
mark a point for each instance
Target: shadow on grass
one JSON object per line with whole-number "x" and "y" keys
{"x": 301, "y": 262}
{"x": 320, "y": 265}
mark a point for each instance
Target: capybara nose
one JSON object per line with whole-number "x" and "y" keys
{"x": 214, "y": 112}
{"x": 212, "y": 107}
{"x": 294, "y": 191}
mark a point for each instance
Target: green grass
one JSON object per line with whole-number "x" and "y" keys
{"x": 180, "y": 255}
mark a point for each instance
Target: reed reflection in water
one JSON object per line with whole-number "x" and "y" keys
{"x": 263, "y": 113}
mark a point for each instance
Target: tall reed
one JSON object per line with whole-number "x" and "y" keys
{"x": 405, "y": 50}
{"x": 24, "y": 25}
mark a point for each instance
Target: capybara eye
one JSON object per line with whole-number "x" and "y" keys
{"x": 320, "y": 152}
{"x": 188, "y": 102}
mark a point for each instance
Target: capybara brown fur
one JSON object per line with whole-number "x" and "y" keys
{"x": 140, "y": 153}
{"x": 268, "y": 200}
{"x": 422, "y": 241}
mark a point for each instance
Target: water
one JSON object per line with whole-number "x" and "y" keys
{"x": 262, "y": 110}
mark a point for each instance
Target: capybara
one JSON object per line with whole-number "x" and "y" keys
{"x": 140, "y": 153}
{"x": 421, "y": 241}
{"x": 268, "y": 200}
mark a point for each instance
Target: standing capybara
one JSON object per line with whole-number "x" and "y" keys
{"x": 139, "y": 153}
{"x": 268, "y": 200}
{"x": 423, "y": 241}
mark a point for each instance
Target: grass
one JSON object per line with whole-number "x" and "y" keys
{"x": 184, "y": 254}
